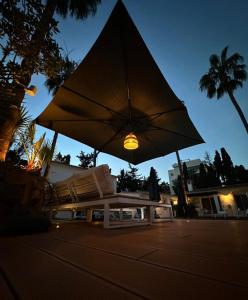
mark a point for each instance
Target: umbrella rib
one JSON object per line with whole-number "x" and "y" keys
{"x": 157, "y": 115}
{"x": 105, "y": 121}
{"x": 93, "y": 101}
{"x": 112, "y": 138}
{"x": 174, "y": 132}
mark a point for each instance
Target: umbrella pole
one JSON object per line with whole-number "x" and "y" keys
{"x": 182, "y": 180}
{"x": 55, "y": 137}
{"x": 94, "y": 158}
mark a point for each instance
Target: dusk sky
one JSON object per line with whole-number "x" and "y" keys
{"x": 181, "y": 35}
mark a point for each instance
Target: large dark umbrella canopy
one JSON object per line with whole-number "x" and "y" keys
{"x": 116, "y": 89}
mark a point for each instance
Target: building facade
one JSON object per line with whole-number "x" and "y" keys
{"x": 193, "y": 167}
{"x": 226, "y": 201}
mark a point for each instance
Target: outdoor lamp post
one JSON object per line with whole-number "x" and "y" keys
{"x": 131, "y": 142}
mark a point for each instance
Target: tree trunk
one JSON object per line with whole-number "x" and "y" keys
{"x": 9, "y": 118}
{"x": 94, "y": 158}
{"x": 182, "y": 195}
{"x": 241, "y": 115}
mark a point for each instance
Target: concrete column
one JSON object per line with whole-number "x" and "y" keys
{"x": 133, "y": 213}
{"x": 150, "y": 211}
{"x": 171, "y": 213}
{"x": 217, "y": 203}
{"x": 89, "y": 215}
{"x": 121, "y": 214}
{"x": 106, "y": 216}
{"x": 142, "y": 214}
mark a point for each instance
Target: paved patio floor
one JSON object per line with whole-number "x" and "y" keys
{"x": 196, "y": 259}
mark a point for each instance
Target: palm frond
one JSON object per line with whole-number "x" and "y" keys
{"x": 240, "y": 75}
{"x": 207, "y": 82}
{"x": 211, "y": 91}
{"x": 224, "y": 54}
{"x": 234, "y": 84}
{"x": 23, "y": 120}
{"x": 214, "y": 60}
{"x": 77, "y": 9}
{"x": 67, "y": 67}
{"x": 30, "y": 132}
{"x": 220, "y": 91}
{"x": 45, "y": 153}
{"x": 224, "y": 74}
{"x": 235, "y": 59}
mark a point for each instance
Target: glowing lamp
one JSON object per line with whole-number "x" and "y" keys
{"x": 131, "y": 142}
{"x": 31, "y": 90}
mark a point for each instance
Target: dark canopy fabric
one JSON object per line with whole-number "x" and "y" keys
{"x": 116, "y": 89}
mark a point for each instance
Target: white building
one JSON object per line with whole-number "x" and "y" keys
{"x": 59, "y": 171}
{"x": 193, "y": 167}
{"x": 226, "y": 201}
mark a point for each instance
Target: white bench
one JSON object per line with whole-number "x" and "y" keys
{"x": 95, "y": 188}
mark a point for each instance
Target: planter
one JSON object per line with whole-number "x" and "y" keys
{"x": 19, "y": 190}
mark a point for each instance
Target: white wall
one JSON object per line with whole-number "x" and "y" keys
{"x": 174, "y": 173}
{"x": 59, "y": 171}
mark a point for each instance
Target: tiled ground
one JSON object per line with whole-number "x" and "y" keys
{"x": 194, "y": 259}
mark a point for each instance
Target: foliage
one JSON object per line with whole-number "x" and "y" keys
{"x": 16, "y": 149}
{"x": 221, "y": 171}
{"x": 185, "y": 175}
{"x": 36, "y": 151}
{"x": 22, "y": 122}
{"x": 122, "y": 181}
{"x": 129, "y": 180}
{"x": 207, "y": 158}
{"x": 64, "y": 159}
{"x": 153, "y": 186}
{"x": 66, "y": 68}
{"x": 177, "y": 187}
{"x": 227, "y": 167}
{"x": 164, "y": 187}
{"x": 218, "y": 164}
{"x": 241, "y": 174}
{"x": 86, "y": 160}
{"x": 27, "y": 31}
{"x": 133, "y": 179}
{"x": 27, "y": 46}
{"x": 224, "y": 76}
{"x": 144, "y": 184}
{"x": 21, "y": 23}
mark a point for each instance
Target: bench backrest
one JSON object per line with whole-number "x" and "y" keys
{"x": 92, "y": 183}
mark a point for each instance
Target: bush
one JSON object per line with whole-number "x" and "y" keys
{"x": 24, "y": 224}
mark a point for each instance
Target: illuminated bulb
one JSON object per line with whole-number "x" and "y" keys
{"x": 57, "y": 226}
{"x": 31, "y": 90}
{"x": 131, "y": 142}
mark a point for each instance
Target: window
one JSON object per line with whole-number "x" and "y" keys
{"x": 241, "y": 201}
{"x": 220, "y": 204}
{"x": 208, "y": 204}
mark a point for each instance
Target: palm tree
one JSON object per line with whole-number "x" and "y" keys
{"x": 225, "y": 75}
{"x": 23, "y": 121}
{"x": 37, "y": 152}
{"x": 67, "y": 68}
{"x": 75, "y": 8}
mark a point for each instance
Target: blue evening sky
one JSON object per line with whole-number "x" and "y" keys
{"x": 181, "y": 35}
